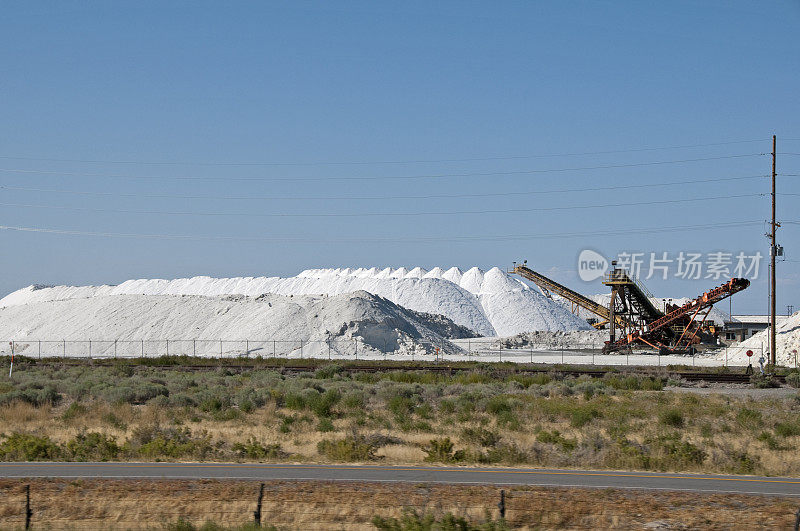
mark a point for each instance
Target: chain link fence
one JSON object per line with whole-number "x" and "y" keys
{"x": 474, "y": 349}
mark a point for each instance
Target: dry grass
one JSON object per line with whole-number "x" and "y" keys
{"x": 553, "y": 424}
{"x": 138, "y": 504}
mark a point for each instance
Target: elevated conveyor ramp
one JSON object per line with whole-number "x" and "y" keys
{"x": 551, "y": 286}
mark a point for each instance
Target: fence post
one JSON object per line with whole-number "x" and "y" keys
{"x": 167, "y": 347}
{"x": 143, "y": 348}
{"x": 257, "y": 512}
{"x": 194, "y": 347}
{"x": 356, "y": 340}
{"x": 502, "y": 504}
{"x": 220, "y": 349}
{"x": 301, "y": 349}
{"x": 501, "y": 352}
{"x": 40, "y": 349}
{"x": 247, "y": 347}
{"x": 90, "y": 349}
{"x": 329, "y": 348}
{"x": 28, "y": 511}
{"x": 64, "y": 349}
{"x": 273, "y": 348}
{"x": 115, "y": 349}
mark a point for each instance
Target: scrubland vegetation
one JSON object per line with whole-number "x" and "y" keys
{"x": 329, "y": 415}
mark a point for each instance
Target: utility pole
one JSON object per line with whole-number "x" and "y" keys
{"x": 772, "y": 252}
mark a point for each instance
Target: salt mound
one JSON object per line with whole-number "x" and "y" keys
{"x": 787, "y": 341}
{"x": 436, "y": 272}
{"x": 488, "y": 303}
{"x": 472, "y": 280}
{"x": 453, "y": 274}
{"x": 376, "y": 322}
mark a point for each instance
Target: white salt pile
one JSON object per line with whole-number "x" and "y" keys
{"x": 489, "y": 303}
{"x": 787, "y": 340}
{"x": 378, "y": 324}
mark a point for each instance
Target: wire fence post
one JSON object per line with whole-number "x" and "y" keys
{"x": 28, "y": 511}
{"x": 40, "y": 349}
{"x": 90, "y": 349}
{"x": 502, "y": 504}
{"x": 329, "y": 348}
{"x": 273, "y": 348}
{"x": 220, "y": 349}
{"x": 356, "y": 340}
{"x": 115, "y": 349}
{"x": 143, "y": 348}
{"x": 797, "y": 520}
{"x": 501, "y": 351}
{"x": 167, "y": 347}
{"x": 64, "y": 349}
{"x": 247, "y": 347}
{"x": 301, "y": 349}
{"x": 257, "y": 512}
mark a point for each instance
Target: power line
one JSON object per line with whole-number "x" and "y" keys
{"x": 374, "y": 198}
{"x": 375, "y": 214}
{"x": 379, "y": 178}
{"x": 705, "y": 226}
{"x": 353, "y": 163}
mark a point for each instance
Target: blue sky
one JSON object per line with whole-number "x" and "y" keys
{"x": 284, "y": 123}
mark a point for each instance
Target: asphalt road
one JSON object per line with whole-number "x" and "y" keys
{"x": 411, "y": 474}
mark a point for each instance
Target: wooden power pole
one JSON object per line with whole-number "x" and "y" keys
{"x": 772, "y": 252}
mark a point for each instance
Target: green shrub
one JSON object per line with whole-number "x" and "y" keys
{"x": 294, "y": 401}
{"x": 354, "y": 400}
{"x": 135, "y": 391}
{"x": 325, "y": 425}
{"x": 498, "y": 405}
{"x": 413, "y": 521}
{"x": 93, "y": 447}
{"x": 114, "y": 421}
{"x": 441, "y": 451}
{"x": 351, "y": 448}
{"x": 255, "y": 450}
{"x": 327, "y": 371}
{"x": 749, "y": 418}
{"x": 763, "y": 381}
{"x": 793, "y": 379}
{"x": 672, "y": 418}
{"x": 34, "y": 395}
{"x": 158, "y": 442}
{"x": 787, "y": 429}
{"x": 772, "y": 443}
{"x": 74, "y": 410}
{"x": 679, "y": 452}
{"x": 27, "y": 447}
{"x": 556, "y": 438}
{"x": 480, "y": 436}
{"x": 321, "y": 404}
{"x": 583, "y": 415}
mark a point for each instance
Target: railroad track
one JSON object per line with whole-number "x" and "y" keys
{"x": 689, "y": 376}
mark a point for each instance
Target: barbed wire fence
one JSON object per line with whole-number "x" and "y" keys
{"x": 22, "y": 508}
